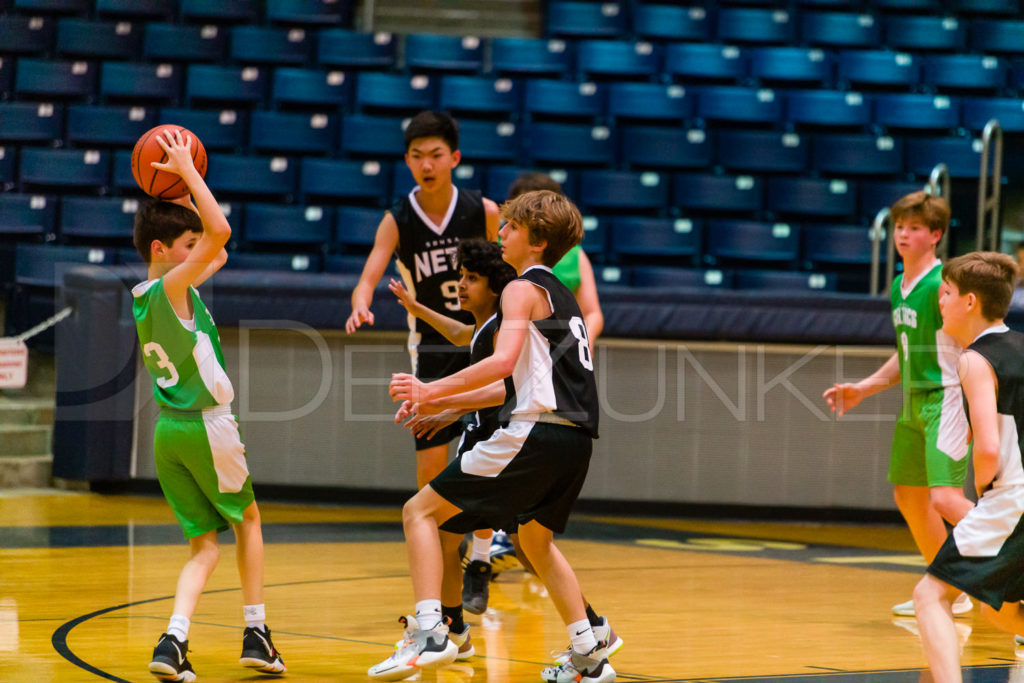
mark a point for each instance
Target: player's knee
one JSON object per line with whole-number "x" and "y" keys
{"x": 926, "y": 592}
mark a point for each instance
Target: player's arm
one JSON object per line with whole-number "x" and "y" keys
{"x": 586, "y": 297}
{"x": 979, "y": 384}
{"x": 844, "y": 397}
{"x": 493, "y": 219}
{"x": 384, "y": 245}
{"x": 455, "y": 331}
{"x": 208, "y": 254}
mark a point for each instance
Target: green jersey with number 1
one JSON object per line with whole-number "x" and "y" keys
{"x": 927, "y": 355}
{"x": 182, "y": 356}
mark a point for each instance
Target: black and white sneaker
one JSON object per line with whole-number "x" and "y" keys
{"x": 418, "y": 649}
{"x": 476, "y": 587}
{"x": 170, "y": 661}
{"x": 258, "y": 651}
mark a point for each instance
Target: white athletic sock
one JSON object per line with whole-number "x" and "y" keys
{"x": 582, "y": 636}
{"x": 178, "y": 627}
{"x": 481, "y": 549}
{"x": 428, "y": 614}
{"x": 255, "y": 616}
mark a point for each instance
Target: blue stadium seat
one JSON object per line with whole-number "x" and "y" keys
{"x": 77, "y": 7}
{"x": 209, "y": 83}
{"x": 27, "y": 214}
{"x": 681, "y": 278}
{"x": 122, "y": 179}
{"x": 668, "y": 22}
{"x": 84, "y": 219}
{"x": 7, "y": 175}
{"x": 465, "y": 175}
{"x": 355, "y": 229}
{"x": 839, "y": 245}
{"x": 840, "y": 29}
{"x": 924, "y": 112}
{"x": 269, "y": 45}
{"x": 292, "y": 225}
{"x": 345, "y": 264}
{"x": 291, "y": 133}
{"x": 828, "y": 108}
{"x": 783, "y": 280}
{"x": 140, "y": 82}
{"x": 791, "y": 65}
{"x": 705, "y": 62}
{"x": 761, "y": 151}
{"x": 25, "y": 35}
{"x": 372, "y": 136}
{"x": 489, "y": 141}
{"x": 1002, "y": 35}
{"x": 965, "y": 72}
{"x": 585, "y": 19}
{"x": 595, "y": 237}
{"x": 646, "y": 241}
{"x": 299, "y": 263}
{"x": 355, "y": 50}
{"x": 876, "y": 195}
{"x": 626, "y": 190}
{"x": 87, "y": 39}
{"x": 566, "y": 143}
{"x": 857, "y": 154}
{"x": 530, "y": 56}
{"x": 924, "y": 33}
{"x": 72, "y": 168}
{"x": 345, "y": 180}
{"x": 310, "y": 12}
{"x": 616, "y": 59}
{"x": 44, "y": 265}
{"x": 222, "y": 130}
{"x": 1007, "y": 7}
{"x": 31, "y": 122}
{"x": 812, "y": 197}
{"x": 101, "y": 125}
{"x": 453, "y": 54}
{"x": 147, "y": 10}
{"x": 751, "y": 241}
{"x": 183, "y": 43}
{"x": 978, "y": 111}
{"x": 395, "y": 92}
{"x": 251, "y": 175}
{"x": 665, "y": 147}
{"x": 220, "y": 12}
{"x": 479, "y": 95}
{"x": 907, "y": 5}
{"x": 51, "y": 78}
{"x": 878, "y": 68}
{"x": 718, "y": 193}
{"x": 755, "y": 25}
{"x": 739, "y": 104}
{"x": 962, "y": 155}
{"x": 310, "y": 88}
{"x": 649, "y": 102}
{"x": 6, "y": 74}
{"x": 499, "y": 180}
{"x": 563, "y": 99}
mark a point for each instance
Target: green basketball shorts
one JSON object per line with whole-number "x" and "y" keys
{"x": 929, "y": 444}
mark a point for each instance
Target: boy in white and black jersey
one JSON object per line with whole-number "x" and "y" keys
{"x": 529, "y": 472}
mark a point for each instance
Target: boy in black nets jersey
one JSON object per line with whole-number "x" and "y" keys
{"x": 530, "y": 471}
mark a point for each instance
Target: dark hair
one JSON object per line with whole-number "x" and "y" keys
{"x": 988, "y": 275}
{"x": 550, "y": 217}
{"x": 484, "y": 258}
{"x": 533, "y": 180}
{"x": 433, "y": 124}
{"x": 931, "y": 210}
{"x": 164, "y": 221}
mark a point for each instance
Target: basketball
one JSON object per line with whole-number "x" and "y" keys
{"x": 157, "y": 183}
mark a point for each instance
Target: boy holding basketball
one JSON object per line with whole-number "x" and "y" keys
{"x": 200, "y": 459}
{"x": 929, "y": 446}
{"x": 528, "y": 472}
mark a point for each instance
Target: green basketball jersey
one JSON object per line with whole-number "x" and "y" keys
{"x": 568, "y": 269}
{"x": 927, "y": 355}
{"x": 183, "y": 357}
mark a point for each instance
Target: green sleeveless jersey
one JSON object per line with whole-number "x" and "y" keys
{"x": 568, "y": 269}
{"x": 183, "y": 357}
{"x": 927, "y": 355}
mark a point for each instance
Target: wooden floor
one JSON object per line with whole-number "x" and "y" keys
{"x": 86, "y": 584}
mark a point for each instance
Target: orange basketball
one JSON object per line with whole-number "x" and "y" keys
{"x": 157, "y": 183}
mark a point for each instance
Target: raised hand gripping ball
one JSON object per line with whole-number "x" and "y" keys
{"x": 157, "y": 183}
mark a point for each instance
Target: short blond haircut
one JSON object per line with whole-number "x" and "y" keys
{"x": 988, "y": 275}
{"x": 931, "y": 210}
{"x": 550, "y": 217}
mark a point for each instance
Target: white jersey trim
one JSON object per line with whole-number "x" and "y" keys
{"x": 476, "y": 332}
{"x": 489, "y": 458}
{"x": 438, "y": 229}
{"x": 907, "y": 287}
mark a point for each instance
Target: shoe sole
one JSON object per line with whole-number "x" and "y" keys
{"x": 957, "y": 612}
{"x": 462, "y": 656}
{"x": 166, "y": 672}
{"x": 263, "y": 665}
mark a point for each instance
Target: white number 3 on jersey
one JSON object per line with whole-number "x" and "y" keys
{"x": 162, "y": 362}
{"x": 579, "y": 330}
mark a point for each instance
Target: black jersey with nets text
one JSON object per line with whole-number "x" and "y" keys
{"x": 555, "y": 372}
{"x": 426, "y": 253}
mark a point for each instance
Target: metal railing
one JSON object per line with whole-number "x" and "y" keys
{"x": 881, "y": 229}
{"x": 938, "y": 186}
{"x": 990, "y": 187}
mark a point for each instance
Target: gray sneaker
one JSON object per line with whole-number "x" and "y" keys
{"x": 476, "y": 582}
{"x": 418, "y": 650}
{"x": 592, "y": 667}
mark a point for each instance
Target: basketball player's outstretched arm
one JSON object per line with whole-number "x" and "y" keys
{"x": 493, "y": 220}
{"x": 455, "y": 331}
{"x": 846, "y": 396}
{"x": 384, "y": 245}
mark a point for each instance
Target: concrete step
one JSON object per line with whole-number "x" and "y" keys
{"x": 25, "y": 440}
{"x": 27, "y": 411}
{"x": 26, "y": 471}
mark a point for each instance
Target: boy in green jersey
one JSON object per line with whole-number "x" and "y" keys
{"x": 200, "y": 459}
{"x": 930, "y": 443}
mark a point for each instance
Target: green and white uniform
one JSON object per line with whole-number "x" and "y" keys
{"x": 200, "y": 458}
{"x": 929, "y": 445}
